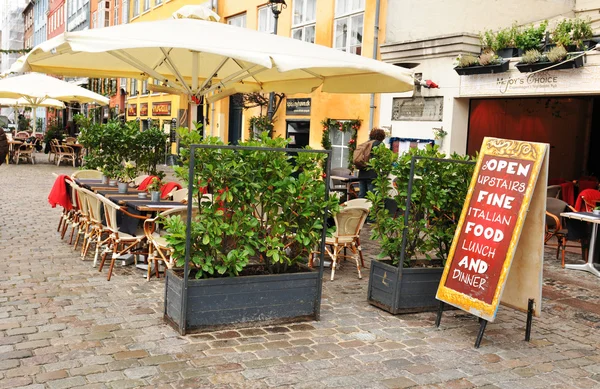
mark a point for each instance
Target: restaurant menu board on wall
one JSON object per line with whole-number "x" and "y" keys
{"x": 132, "y": 110}
{"x": 490, "y": 227}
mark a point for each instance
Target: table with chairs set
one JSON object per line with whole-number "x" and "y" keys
{"x": 21, "y": 147}
{"x": 97, "y": 217}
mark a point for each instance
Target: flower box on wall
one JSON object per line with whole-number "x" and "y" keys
{"x": 528, "y": 68}
{"x": 489, "y": 69}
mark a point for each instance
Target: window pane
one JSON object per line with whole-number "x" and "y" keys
{"x": 311, "y": 10}
{"x": 336, "y": 157}
{"x": 342, "y": 7}
{"x": 262, "y": 19}
{"x": 341, "y": 33}
{"x": 298, "y": 11}
{"x": 357, "y": 30}
{"x": 336, "y": 137}
{"x": 345, "y": 153}
{"x": 309, "y": 34}
{"x": 297, "y": 33}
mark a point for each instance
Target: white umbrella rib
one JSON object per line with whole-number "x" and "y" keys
{"x": 174, "y": 69}
{"x": 213, "y": 74}
{"x": 241, "y": 67}
{"x": 128, "y": 59}
{"x": 230, "y": 80}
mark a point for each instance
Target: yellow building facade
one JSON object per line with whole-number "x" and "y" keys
{"x": 344, "y": 24}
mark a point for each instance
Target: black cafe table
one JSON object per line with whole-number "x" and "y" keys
{"x": 348, "y": 179}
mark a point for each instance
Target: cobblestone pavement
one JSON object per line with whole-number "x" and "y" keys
{"x": 63, "y": 325}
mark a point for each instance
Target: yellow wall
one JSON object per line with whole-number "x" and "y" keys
{"x": 335, "y": 106}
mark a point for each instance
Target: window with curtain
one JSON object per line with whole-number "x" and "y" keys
{"x": 339, "y": 148}
{"x": 237, "y": 20}
{"x": 303, "y": 21}
{"x": 348, "y": 25}
{"x": 133, "y": 87}
{"x": 266, "y": 20}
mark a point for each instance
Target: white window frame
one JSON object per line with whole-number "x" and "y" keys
{"x": 136, "y": 8}
{"x": 271, "y": 19}
{"x": 95, "y": 19}
{"x": 236, "y": 18}
{"x": 157, "y": 3}
{"x": 116, "y": 13}
{"x": 146, "y": 5}
{"x": 349, "y": 15}
{"x": 123, "y": 84}
{"x": 344, "y": 163}
{"x": 304, "y": 24}
{"x": 145, "y": 90}
{"x": 133, "y": 91}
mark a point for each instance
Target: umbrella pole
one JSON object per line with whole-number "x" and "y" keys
{"x": 34, "y": 109}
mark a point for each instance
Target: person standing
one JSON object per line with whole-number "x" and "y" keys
{"x": 365, "y": 174}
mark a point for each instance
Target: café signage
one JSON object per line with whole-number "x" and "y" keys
{"x": 430, "y": 109}
{"x": 161, "y": 109}
{"x": 514, "y": 83}
{"x": 132, "y": 110}
{"x": 507, "y": 192}
{"x": 299, "y": 107}
{"x": 143, "y": 109}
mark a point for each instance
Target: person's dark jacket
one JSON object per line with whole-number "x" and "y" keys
{"x": 3, "y": 146}
{"x": 366, "y": 172}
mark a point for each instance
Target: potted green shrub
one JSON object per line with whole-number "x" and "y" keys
{"x": 249, "y": 244}
{"x": 501, "y": 42}
{"x": 530, "y": 38}
{"x": 126, "y": 176}
{"x": 154, "y": 189}
{"x": 486, "y": 63}
{"x": 405, "y": 276}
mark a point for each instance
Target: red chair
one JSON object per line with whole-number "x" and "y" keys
{"x": 144, "y": 184}
{"x": 586, "y": 201}
{"x": 169, "y": 187}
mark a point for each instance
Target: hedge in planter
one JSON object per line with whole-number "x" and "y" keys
{"x": 415, "y": 235}
{"x": 247, "y": 247}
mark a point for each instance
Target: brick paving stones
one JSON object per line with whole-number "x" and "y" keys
{"x": 62, "y": 325}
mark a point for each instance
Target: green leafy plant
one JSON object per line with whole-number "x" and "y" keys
{"x": 562, "y": 33}
{"x": 557, "y": 54}
{"x": 154, "y": 185}
{"x": 439, "y": 190}
{"x": 531, "y": 56}
{"x": 439, "y": 133}
{"x": 466, "y": 60}
{"x": 582, "y": 30}
{"x": 260, "y": 124}
{"x": 531, "y": 37}
{"x": 501, "y": 39}
{"x": 128, "y": 172}
{"x": 266, "y": 209}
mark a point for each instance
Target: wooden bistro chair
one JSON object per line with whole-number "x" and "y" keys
{"x": 95, "y": 232}
{"x": 158, "y": 247}
{"x": 25, "y": 152}
{"x": 118, "y": 242}
{"x": 556, "y": 228}
{"x": 89, "y": 174}
{"x": 348, "y": 222}
{"x": 66, "y": 153}
{"x": 53, "y": 150}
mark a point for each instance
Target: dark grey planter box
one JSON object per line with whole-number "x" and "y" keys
{"x": 528, "y": 68}
{"x": 489, "y": 69}
{"x": 218, "y": 302}
{"x": 414, "y": 292}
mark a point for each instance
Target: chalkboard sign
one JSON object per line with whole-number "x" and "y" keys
{"x": 299, "y": 107}
{"x": 506, "y": 179}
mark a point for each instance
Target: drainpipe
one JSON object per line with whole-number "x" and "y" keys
{"x": 375, "y": 46}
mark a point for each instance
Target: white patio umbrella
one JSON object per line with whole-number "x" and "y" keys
{"x": 197, "y": 57}
{"x": 35, "y": 89}
{"x": 48, "y": 103}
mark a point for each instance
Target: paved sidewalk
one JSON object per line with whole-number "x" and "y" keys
{"x": 62, "y": 325}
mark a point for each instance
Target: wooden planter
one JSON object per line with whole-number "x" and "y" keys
{"x": 217, "y": 302}
{"x": 413, "y": 292}
{"x": 489, "y": 69}
{"x": 528, "y": 68}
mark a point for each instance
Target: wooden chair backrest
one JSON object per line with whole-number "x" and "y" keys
{"x": 87, "y": 174}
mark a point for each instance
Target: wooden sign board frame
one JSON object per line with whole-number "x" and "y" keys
{"x": 516, "y": 289}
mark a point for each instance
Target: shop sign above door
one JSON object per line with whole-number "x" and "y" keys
{"x": 298, "y": 107}
{"x": 513, "y": 83}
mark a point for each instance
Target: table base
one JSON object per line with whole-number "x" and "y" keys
{"x": 587, "y": 267}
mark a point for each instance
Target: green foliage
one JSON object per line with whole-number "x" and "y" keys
{"x": 343, "y": 126}
{"x": 54, "y": 132}
{"x": 260, "y": 124}
{"x": 112, "y": 144}
{"x": 502, "y": 39}
{"x": 531, "y": 37}
{"x": 439, "y": 190}
{"x": 154, "y": 185}
{"x": 531, "y": 56}
{"x": 562, "y": 34}
{"x": 266, "y": 209}
{"x": 582, "y": 30}
{"x": 557, "y": 54}
{"x": 23, "y": 124}
{"x": 466, "y": 60}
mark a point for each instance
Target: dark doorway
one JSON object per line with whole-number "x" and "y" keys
{"x": 236, "y": 105}
{"x": 299, "y": 131}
